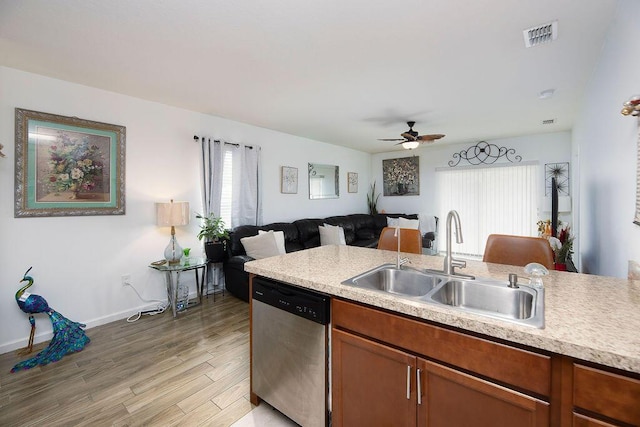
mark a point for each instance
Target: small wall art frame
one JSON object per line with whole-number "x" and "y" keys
{"x": 66, "y": 166}
{"x": 352, "y": 182}
{"x": 289, "y": 180}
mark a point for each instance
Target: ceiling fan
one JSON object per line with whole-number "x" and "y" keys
{"x": 410, "y": 139}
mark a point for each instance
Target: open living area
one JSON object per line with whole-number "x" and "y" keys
{"x": 320, "y": 213}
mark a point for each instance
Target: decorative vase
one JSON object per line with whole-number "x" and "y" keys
{"x": 402, "y": 188}
{"x": 560, "y": 266}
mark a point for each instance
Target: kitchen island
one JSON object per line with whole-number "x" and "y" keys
{"x": 587, "y": 318}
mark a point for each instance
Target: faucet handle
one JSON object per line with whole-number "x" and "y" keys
{"x": 513, "y": 280}
{"x": 458, "y": 263}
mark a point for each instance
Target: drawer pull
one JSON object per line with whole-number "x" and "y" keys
{"x": 419, "y": 386}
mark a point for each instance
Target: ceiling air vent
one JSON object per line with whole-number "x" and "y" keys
{"x": 548, "y": 121}
{"x": 540, "y": 34}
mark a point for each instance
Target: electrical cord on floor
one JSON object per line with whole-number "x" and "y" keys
{"x": 158, "y": 310}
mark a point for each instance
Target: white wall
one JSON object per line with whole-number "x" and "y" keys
{"x": 606, "y": 143}
{"x": 544, "y": 148}
{"x": 78, "y": 261}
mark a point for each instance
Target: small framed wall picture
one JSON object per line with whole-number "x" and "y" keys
{"x": 352, "y": 182}
{"x": 289, "y": 180}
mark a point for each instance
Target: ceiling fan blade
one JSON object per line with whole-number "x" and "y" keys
{"x": 391, "y": 139}
{"x": 408, "y": 136}
{"x": 431, "y": 137}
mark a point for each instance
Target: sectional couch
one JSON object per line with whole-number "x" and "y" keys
{"x": 359, "y": 230}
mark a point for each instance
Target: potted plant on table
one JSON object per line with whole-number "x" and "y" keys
{"x": 214, "y": 234}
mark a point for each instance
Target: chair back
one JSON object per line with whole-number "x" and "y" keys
{"x": 518, "y": 250}
{"x": 410, "y": 240}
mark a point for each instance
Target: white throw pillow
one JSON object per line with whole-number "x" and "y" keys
{"x": 260, "y": 246}
{"x": 403, "y": 223}
{"x": 409, "y": 223}
{"x": 279, "y": 235}
{"x": 331, "y": 235}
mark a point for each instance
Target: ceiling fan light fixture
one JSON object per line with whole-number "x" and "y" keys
{"x": 410, "y": 145}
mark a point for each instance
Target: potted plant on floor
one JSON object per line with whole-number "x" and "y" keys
{"x": 372, "y": 199}
{"x": 214, "y": 234}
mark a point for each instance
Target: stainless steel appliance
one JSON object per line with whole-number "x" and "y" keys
{"x": 289, "y": 336}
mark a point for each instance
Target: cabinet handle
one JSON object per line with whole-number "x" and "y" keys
{"x": 408, "y": 382}
{"x": 419, "y": 387}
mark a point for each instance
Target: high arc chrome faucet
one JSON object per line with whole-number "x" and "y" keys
{"x": 399, "y": 261}
{"x": 451, "y": 263}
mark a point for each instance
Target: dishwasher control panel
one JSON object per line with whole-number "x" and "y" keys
{"x": 301, "y": 302}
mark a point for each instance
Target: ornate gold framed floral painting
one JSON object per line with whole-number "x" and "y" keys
{"x": 66, "y": 166}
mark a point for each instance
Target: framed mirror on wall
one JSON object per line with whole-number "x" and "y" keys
{"x": 324, "y": 181}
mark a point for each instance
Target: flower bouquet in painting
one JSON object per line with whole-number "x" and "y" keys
{"x": 75, "y": 166}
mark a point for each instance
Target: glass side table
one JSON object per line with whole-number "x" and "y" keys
{"x": 197, "y": 264}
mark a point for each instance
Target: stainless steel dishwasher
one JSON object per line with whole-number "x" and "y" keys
{"x": 289, "y": 333}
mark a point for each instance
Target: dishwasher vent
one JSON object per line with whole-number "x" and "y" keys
{"x": 541, "y": 34}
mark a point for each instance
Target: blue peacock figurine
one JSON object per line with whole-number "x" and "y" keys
{"x": 68, "y": 336}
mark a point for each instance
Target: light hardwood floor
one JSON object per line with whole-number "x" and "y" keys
{"x": 158, "y": 371}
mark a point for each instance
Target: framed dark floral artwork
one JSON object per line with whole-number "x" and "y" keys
{"x": 66, "y": 166}
{"x": 401, "y": 177}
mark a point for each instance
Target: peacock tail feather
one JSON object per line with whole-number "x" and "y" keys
{"x": 68, "y": 337}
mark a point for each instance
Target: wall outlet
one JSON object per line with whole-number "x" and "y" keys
{"x": 126, "y": 279}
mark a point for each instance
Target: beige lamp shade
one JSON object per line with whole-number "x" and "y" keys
{"x": 172, "y": 213}
{"x": 169, "y": 215}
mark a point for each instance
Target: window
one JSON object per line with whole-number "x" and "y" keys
{"x": 227, "y": 187}
{"x": 230, "y": 182}
{"x": 489, "y": 200}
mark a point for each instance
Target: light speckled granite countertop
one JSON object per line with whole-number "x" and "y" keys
{"x": 588, "y": 317}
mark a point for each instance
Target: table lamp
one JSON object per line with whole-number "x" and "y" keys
{"x": 169, "y": 215}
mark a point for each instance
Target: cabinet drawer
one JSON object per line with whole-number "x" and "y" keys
{"x": 520, "y": 368}
{"x": 584, "y": 421}
{"x": 606, "y": 393}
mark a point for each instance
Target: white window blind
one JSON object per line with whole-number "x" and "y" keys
{"x": 491, "y": 200}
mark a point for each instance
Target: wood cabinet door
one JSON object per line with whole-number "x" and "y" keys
{"x": 370, "y": 383}
{"x": 450, "y": 398}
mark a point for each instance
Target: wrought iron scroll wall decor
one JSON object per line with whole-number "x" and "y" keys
{"x": 484, "y": 153}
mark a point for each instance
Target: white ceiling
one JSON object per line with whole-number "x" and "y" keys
{"x": 345, "y": 72}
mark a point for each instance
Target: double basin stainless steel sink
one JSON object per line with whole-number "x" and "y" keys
{"x": 523, "y": 305}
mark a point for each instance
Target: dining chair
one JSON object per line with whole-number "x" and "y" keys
{"x": 518, "y": 250}
{"x": 410, "y": 240}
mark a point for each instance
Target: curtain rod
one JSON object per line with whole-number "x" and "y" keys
{"x": 197, "y": 138}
